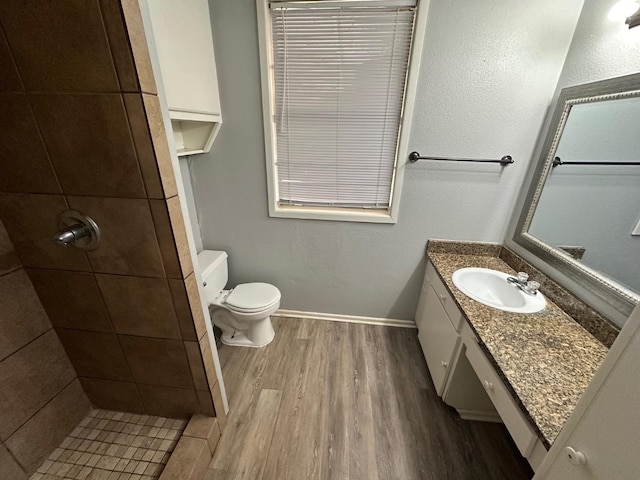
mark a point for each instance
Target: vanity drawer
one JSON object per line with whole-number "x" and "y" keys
{"x": 521, "y": 431}
{"x": 445, "y": 298}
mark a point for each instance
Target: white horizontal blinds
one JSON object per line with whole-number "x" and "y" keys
{"x": 340, "y": 74}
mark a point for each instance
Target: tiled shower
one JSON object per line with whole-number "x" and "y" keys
{"x": 42, "y": 398}
{"x": 114, "y": 446}
{"x": 121, "y": 327}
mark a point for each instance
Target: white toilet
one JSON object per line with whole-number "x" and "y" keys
{"x": 244, "y": 312}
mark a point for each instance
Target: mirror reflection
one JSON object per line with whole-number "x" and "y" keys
{"x": 589, "y": 208}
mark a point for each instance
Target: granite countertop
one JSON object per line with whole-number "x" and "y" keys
{"x": 546, "y": 359}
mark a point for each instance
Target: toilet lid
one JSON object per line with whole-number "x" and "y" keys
{"x": 253, "y": 296}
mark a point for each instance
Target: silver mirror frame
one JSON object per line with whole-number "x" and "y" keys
{"x": 607, "y": 289}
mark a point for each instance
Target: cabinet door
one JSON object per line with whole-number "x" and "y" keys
{"x": 438, "y": 338}
{"x": 184, "y": 42}
{"x": 421, "y": 310}
{"x": 449, "y": 305}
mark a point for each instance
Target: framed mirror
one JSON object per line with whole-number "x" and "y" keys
{"x": 582, "y": 210}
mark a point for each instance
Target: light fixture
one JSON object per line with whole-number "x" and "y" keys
{"x": 633, "y": 20}
{"x": 627, "y": 10}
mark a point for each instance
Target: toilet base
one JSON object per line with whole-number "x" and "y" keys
{"x": 239, "y": 339}
{"x": 250, "y": 330}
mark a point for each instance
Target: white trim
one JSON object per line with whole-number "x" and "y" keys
{"x": 153, "y": 54}
{"x": 334, "y": 3}
{"x": 417, "y": 46}
{"x": 196, "y": 116}
{"x": 216, "y": 129}
{"x": 336, "y": 317}
{"x": 266, "y": 61}
{"x": 537, "y": 455}
{"x": 326, "y": 213}
{"x": 479, "y": 416}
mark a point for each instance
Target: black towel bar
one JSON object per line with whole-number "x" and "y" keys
{"x": 506, "y": 160}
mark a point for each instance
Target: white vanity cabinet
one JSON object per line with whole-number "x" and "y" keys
{"x": 461, "y": 373}
{"x": 439, "y": 322}
{"x": 437, "y": 331}
{"x": 521, "y": 431}
{"x": 184, "y": 44}
{"x": 510, "y": 412}
{"x": 439, "y": 339}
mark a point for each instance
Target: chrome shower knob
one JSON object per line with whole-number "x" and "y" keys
{"x": 78, "y": 230}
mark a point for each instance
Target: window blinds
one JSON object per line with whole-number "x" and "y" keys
{"x": 340, "y": 70}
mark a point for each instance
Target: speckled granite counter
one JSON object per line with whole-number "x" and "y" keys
{"x": 546, "y": 359}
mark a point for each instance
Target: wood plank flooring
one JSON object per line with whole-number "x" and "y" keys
{"x": 328, "y": 400}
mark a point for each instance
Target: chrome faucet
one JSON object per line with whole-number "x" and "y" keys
{"x": 522, "y": 282}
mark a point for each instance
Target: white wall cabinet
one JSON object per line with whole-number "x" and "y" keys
{"x": 184, "y": 43}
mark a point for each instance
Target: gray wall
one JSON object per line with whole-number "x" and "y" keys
{"x": 488, "y": 72}
{"x": 600, "y": 49}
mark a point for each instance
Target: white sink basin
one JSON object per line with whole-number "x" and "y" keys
{"x": 491, "y": 288}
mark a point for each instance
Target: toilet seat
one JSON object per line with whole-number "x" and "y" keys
{"x": 252, "y": 311}
{"x": 252, "y": 297}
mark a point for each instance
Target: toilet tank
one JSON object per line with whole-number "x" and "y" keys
{"x": 215, "y": 273}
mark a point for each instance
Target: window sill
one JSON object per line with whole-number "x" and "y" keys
{"x": 334, "y": 214}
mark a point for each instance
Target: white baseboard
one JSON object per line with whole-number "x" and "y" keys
{"x": 479, "y": 416}
{"x": 335, "y": 317}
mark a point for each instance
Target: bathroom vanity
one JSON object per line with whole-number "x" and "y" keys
{"x": 526, "y": 370}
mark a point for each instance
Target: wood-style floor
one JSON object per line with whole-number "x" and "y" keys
{"x": 328, "y": 400}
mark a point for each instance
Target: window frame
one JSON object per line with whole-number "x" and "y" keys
{"x": 386, "y": 215}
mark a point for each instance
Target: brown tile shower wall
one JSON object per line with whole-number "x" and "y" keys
{"x": 42, "y": 399}
{"x": 82, "y": 129}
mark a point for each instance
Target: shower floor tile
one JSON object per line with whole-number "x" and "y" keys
{"x": 108, "y": 445}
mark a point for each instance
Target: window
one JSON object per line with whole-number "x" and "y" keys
{"x": 334, "y": 75}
